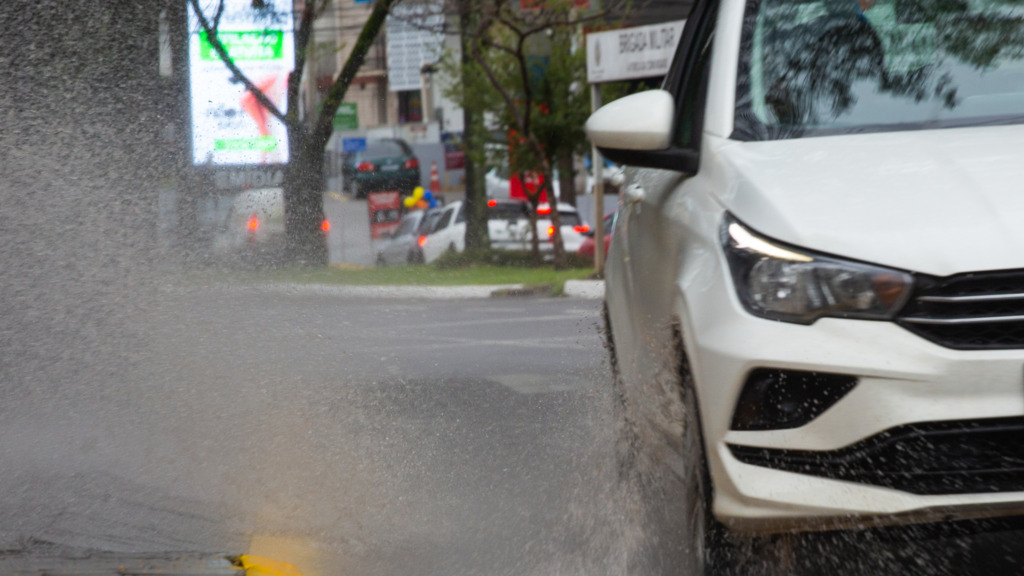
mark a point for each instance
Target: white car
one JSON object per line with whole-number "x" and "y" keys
{"x": 448, "y": 232}
{"x": 508, "y": 225}
{"x": 815, "y": 288}
{"x": 402, "y": 245}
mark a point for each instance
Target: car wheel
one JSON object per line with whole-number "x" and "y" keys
{"x": 381, "y": 262}
{"x": 674, "y": 502}
{"x": 415, "y": 257}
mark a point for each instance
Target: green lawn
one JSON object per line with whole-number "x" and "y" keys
{"x": 423, "y": 276}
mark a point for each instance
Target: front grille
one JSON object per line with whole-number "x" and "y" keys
{"x": 954, "y": 457}
{"x": 976, "y": 311}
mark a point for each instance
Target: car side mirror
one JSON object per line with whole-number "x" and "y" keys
{"x": 641, "y": 121}
{"x": 637, "y": 130}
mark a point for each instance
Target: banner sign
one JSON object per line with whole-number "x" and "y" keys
{"x": 632, "y": 53}
{"x": 229, "y": 125}
{"x": 414, "y": 38}
{"x": 385, "y": 212}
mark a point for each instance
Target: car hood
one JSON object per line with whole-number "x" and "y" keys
{"x": 938, "y": 202}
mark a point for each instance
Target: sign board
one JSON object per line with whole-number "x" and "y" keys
{"x": 632, "y": 53}
{"x": 349, "y": 145}
{"x": 347, "y": 116}
{"x": 246, "y": 177}
{"x": 414, "y": 37}
{"x": 229, "y": 125}
{"x": 385, "y": 212}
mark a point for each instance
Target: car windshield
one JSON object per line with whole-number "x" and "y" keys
{"x": 429, "y": 221}
{"x": 812, "y": 68}
{"x": 409, "y": 224}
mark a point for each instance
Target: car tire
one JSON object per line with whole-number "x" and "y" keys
{"x": 415, "y": 257}
{"x": 381, "y": 262}
{"x": 705, "y": 546}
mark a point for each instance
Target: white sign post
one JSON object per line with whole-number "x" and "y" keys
{"x": 229, "y": 126}
{"x": 624, "y": 54}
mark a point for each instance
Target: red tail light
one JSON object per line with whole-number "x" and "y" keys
{"x": 551, "y": 230}
{"x": 410, "y": 164}
{"x": 543, "y": 209}
{"x": 582, "y": 229}
{"x": 422, "y": 241}
{"x": 326, "y": 226}
{"x": 366, "y": 167}
{"x": 492, "y": 203}
{"x": 254, "y": 223}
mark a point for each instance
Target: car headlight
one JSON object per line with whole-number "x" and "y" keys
{"x": 794, "y": 285}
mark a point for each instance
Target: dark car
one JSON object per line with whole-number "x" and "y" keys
{"x": 387, "y": 164}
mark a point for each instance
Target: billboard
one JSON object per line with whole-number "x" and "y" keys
{"x": 229, "y": 125}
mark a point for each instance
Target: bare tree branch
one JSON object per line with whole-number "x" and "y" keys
{"x": 211, "y": 36}
{"x": 302, "y": 39}
{"x": 324, "y": 124}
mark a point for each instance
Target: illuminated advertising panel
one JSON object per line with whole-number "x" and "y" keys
{"x": 229, "y": 125}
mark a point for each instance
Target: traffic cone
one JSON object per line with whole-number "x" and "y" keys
{"x": 435, "y": 179}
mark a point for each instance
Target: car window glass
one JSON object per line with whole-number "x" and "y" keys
{"x": 382, "y": 149}
{"x": 831, "y": 67}
{"x": 461, "y": 217}
{"x": 693, "y": 87}
{"x": 446, "y": 218}
{"x": 569, "y": 218}
{"x": 408, "y": 225}
{"x": 506, "y": 211}
{"x": 427, "y": 226}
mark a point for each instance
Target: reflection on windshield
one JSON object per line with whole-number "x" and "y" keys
{"x": 842, "y": 66}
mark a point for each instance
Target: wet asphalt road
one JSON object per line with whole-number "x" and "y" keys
{"x": 349, "y": 436}
{"x": 361, "y": 436}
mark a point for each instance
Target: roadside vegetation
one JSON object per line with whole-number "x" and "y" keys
{"x": 472, "y": 268}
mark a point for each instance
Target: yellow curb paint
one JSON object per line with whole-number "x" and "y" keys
{"x": 334, "y": 195}
{"x": 261, "y": 566}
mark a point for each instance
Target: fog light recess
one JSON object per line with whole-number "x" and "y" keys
{"x": 774, "y": 399}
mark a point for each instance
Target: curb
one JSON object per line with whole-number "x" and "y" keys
{"x": 592, "y": 289}
{"x": 589, "y": 289}
{"x": 393, "y": 292}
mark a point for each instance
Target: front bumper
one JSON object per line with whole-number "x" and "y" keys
{"x": 902, "y": 380}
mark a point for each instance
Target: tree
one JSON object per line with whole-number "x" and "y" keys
{"x": 530, "y": 75}
{"x": 307, "y": 137}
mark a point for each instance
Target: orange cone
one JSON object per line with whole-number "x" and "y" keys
{"x": 435, "y": 179}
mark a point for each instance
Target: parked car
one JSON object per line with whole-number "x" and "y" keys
{"x": 387, "y": 164}
{"x": 427, "y": 225}
{"x": 815, "y": 289}
{"x": 508, "y": 224}
{"x": 587, "y": 247}
{"x": 401, "y": 245}
{"x": 254, "y": 231}
{"x": 448, "y": 232}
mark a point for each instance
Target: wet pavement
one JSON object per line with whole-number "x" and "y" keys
{"x": 348, "y": 435}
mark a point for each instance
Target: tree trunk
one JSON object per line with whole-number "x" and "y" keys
{"x": 304, "y": 202}
{"x": 472, "y": 126}
{"x": 566, "y": 179}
